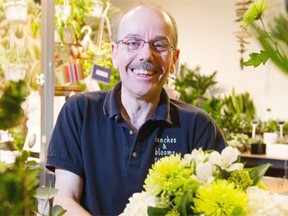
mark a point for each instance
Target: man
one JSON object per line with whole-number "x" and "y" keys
{"x": 105, "y": 142}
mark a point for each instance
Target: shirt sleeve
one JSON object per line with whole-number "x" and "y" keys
{"x": 64, "y": 150}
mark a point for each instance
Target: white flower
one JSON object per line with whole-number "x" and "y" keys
{"x": 196, "y": 156}
{"x": 266, "y": 203}
{"x": 226, "y": 159}
{"x": 139, "y": 203}
{"x": 204, "y": 172}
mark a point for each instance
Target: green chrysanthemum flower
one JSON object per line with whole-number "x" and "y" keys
{"x": 254, "y": 12}
{"x": 167, "y": 176}
{"x": 173, "y": 212}
{"x": 221, "y": 198}
{"x": 241, "y": 179}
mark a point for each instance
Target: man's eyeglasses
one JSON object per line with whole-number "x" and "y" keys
{"x": 136, "y": 44}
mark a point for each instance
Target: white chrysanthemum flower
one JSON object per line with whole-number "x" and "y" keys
{"x": 266, "y": 203}
{"x": 138, "y": 204}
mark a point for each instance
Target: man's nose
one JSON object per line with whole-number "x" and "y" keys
{"x": 146, "y": 51}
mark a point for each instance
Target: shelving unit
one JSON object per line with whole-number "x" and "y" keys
{"x": 280, "y": 163}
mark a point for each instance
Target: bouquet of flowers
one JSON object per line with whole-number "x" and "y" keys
{"x": 205, "y": 183}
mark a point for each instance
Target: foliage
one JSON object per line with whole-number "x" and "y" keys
{"x": 91, "y": 54}
{"x": 23, "y": 48}
{"x": 20, "y": 179}
{"x": 11, "y": 112}
{"x": 19, "y": 188}
{"x": 76, "y": 19}
{"x": 239, "y": 140}
{"x": 238, "y": 112}
{"x": 45, "y": 193}
{"x": 80, "y": 10}
{"x": 14, "y": 55}
{"x": 272, "y": 37}
{"x": 192, "y": 85}
{"x": 233, "y": 113}
{"x": 18, "y": 183}
{"x": 271, "y": 125}
{"x": 256, "y": 59}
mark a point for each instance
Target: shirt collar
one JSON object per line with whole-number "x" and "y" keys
{"x": 111, "y": 108}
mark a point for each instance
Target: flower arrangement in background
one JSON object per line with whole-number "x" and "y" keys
{"x": 205, "y": 183}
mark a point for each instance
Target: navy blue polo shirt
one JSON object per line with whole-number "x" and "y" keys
{"x": 92, "y": 140}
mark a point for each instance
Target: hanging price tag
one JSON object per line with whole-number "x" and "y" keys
{"x": 101, "y": 74}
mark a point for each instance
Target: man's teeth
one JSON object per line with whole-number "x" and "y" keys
{"x": 143, "y": 72}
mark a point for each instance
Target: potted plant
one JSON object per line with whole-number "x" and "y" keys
{"x": 15, "y": 63}
{"x": 241, "y": 141}
{"x": 15, "y": 11}
{"x": 257, "y": 145}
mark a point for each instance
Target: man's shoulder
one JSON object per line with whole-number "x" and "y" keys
{"x": 86, "y": 99}
{"x": 186, "y": 108}
{"x": 91, "y": 96}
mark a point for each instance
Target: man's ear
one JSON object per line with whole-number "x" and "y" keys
{"x": 174, "y": 66}
{"x": 114, "y": 50}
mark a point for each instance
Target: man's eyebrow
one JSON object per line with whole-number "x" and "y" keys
{"x": 137, "y": 36}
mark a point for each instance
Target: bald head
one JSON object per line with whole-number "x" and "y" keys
{"x": 140, "y": 15}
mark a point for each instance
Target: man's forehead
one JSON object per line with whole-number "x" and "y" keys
{"x": 146, "y": 12}
{"x": 143, "y": 18}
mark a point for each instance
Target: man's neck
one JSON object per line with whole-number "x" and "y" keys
{"x": 136, "y": 111}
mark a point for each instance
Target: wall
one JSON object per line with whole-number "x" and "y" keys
{"x": 207, "y": 39}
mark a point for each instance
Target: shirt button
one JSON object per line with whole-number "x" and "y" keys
{"x": 131, "y": 132}
{"x": 134, "y": 154}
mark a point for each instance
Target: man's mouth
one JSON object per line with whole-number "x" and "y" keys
{"x": 144, "y": 69}
{"x": 143, "y": 72}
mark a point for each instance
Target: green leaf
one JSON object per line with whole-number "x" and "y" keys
{"x": 45, "y": 192}
{"x": 154, "y": 211}
{"x": 258, "y": 172}
{"x": 58, "y": 210}
{"x": 183, "y": 203}
{"x": 257, "y": 58}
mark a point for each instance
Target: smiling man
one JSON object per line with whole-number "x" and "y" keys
{"x": 104, "y": 143}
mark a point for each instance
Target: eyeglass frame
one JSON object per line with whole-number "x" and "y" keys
{"x": 151, "y": 44}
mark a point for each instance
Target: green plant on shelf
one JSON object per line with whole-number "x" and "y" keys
{"x": 193, "y": 86}
{"x": 233, "y": 113}
{"x": 237, "y": 113}
{"x": 272, "y": 125}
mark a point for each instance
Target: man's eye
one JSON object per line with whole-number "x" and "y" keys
{"x": 160, "y": 45}
{"x": 133, "y": 43}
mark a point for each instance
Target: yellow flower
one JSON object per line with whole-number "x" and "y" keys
{"x": 220, "y": 198}
{"x": 167, "y": 175}
{"x": 254, "y": 12}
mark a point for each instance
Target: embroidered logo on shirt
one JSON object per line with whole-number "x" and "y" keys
{"x": 163, "y": 146}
